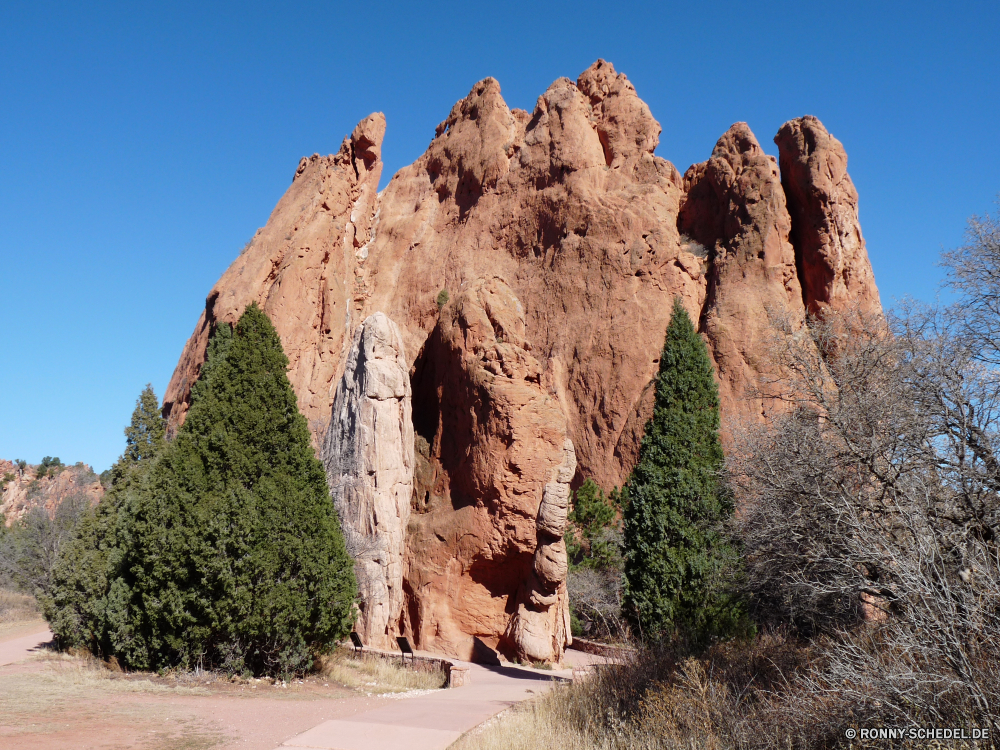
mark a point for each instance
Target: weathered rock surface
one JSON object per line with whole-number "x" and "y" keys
{"x": 305, "y": 269}
{"x": 368, "y": 453}
{"x": 833, "y": 261}
{"x": 735, "y": 207}
{"x": 540, "y": 627}
{"x": 567, "y": 208}
{"x": 24, "y": 491}
{"x": 494, "y": 463}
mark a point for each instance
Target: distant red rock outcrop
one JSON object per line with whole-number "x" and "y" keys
{"x": 23, "y": 491}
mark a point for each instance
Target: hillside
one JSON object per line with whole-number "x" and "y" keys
{"x": 24, "y": 490}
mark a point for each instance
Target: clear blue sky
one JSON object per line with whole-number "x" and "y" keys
{"x": 141, "y": 145}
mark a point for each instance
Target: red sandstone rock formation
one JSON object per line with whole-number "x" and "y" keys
{"x": 485, "y": 552}
{"x": 594, "y": 236}
{"x": 305, "y": 268}
{"x": 23, "y": 492}
{"x": 735, "y": 207}
{"x": 833, "y": 262}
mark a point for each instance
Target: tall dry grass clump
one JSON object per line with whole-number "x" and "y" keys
{"x": 16, "y": 607}
{"x": 776, "y": 691}
{"x": 664, "y": 698}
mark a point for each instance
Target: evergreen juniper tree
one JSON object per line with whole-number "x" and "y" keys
{"x": 676, "y": 554}
{"x": 76, "y": 606}
{"x": 591, "y": 516}
{"x": 143, "y": 436}
{"x": 232, "y": 553}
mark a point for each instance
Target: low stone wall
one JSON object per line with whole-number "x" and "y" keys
{"x": 601, "y": 649}
{"x": 456, "y": 676}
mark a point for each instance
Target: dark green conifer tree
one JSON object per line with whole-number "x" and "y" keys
{"x": 233, "y": 556}
{"x": 676, "y": 554}
{"x": 591, "y": 516}
{"x": 76, "y": 605}
{"x": 143, "y": 437}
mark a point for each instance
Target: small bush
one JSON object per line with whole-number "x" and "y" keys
{"x": 49, "y": 467}
{"x": 442, "y": 298}
{"x": 50, "y": 462}
{"x": 693, "y": 246}
{"x": 593, "y": 548}
{"x": 590, "y": 516}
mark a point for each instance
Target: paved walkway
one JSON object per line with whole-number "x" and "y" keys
{"x": 424, "y": 721}
{"x": 434, "y": 721}
{"x": 19, "y": 645}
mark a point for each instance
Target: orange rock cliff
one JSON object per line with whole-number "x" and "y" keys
{"x": 525, "y": 268}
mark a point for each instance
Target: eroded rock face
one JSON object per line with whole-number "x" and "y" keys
{"x": 491, "y": 484}
{"x": 569, "y": 205}
{"x": 568, "y": 209}
{"x": 836, "y": 274}
{"x": 368, "y": 454}
{"x": 305, "y": 269}
{"x": 735, "y": 207}
{"x": 23, "y": 491}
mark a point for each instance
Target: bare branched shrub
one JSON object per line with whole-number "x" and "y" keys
{"x": 596, "y": 594}
{"x": 693, "y": 246}
{"x": 369, "y": 555}
{"x": 30, "y": 548}
{"x": 974, "y": 273}
{"x": 871, "y": 513}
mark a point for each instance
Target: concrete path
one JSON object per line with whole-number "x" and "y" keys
{"x": 434, "y": 721}
{"x": 423, "y": 721}
{"x": 19, "y": 645}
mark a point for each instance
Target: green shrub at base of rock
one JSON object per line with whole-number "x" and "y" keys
{"x": 226, "y": 552}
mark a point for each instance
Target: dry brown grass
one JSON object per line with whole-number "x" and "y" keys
{"x": 548, "y": 722}
{"x": 17, "y": 608}
{"x": 373, "y": 674}
{"x": 774, "y": 692}
{"x": 657, "y": 700}
{"x": 86, "y": 672}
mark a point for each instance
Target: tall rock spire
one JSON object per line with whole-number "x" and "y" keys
{"x": 368, "y": 454}
{"x": 735, "y": 208}
{"x": 833, "y": 261}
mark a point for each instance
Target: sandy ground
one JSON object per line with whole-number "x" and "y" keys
{"x": 50, "y": 701}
